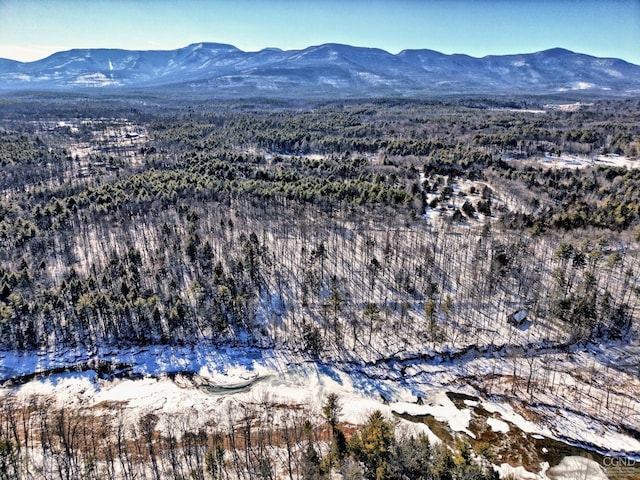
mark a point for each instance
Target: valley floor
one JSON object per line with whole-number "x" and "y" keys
{"x": 474, "y": 398}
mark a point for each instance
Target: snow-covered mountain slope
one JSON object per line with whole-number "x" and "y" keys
{"x": 325, "y": 69}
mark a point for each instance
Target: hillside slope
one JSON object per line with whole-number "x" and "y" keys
{"x": 330, "y": 69}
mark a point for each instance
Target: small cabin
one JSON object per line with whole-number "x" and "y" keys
{"x": 518, "y": 318}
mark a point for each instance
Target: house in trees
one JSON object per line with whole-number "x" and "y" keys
{"x": 518, "y": 318}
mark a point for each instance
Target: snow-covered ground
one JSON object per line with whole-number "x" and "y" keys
{"x": 566, "y": 160}
{"x": 576, "y": 468}
{"x": 209, "y": 379}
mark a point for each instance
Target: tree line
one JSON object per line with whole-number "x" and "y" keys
{"x": 38, "y": 441}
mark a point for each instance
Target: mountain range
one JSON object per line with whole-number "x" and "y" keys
{"x": 325, "y": 70}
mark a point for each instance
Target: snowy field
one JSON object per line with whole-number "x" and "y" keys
{"x": 566, "y": 160}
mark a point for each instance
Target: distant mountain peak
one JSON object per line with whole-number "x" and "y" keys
{"x": 557, "y": 51}
{"x": 330, "y": 69}
{"x": 272, "y": 49}
{"x": 212, "y": 46}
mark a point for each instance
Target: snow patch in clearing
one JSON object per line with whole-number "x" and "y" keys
{"x": 571, "y": 468}
{"x": 148, "y": 393}
{"x": 16, "y": 76}
{"x": 583, "y": 429}
{"x": 582, "y": 86}
{"x": 95, "y": 80}
{"x": 63, "y": 390}
{"x": 614, "y": 73}
{"x": 232, "y": 377}
{"x": 507, "y": 413}
{"x": 498, "y": 425}
{"x": 411, "y": 429}
{"x": 507, "y": 471}
{"x": 442, "y": 409}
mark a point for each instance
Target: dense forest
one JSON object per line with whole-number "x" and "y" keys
{"x": 197, "y": 225}
{"x": 342, "y": 231}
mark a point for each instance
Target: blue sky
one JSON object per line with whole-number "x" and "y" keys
{"x": 32, "y": 29}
